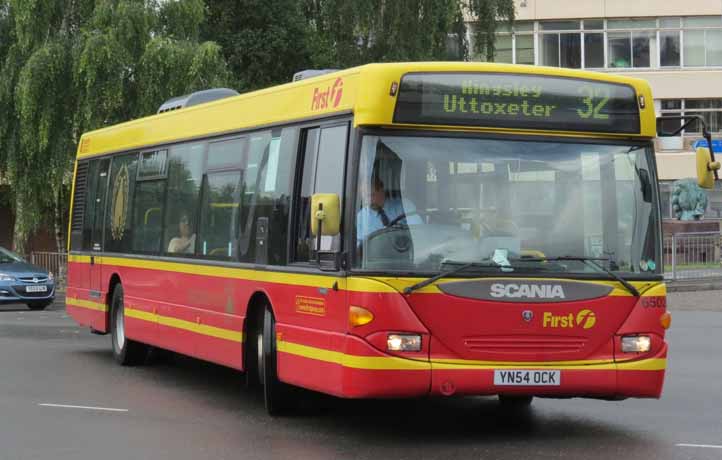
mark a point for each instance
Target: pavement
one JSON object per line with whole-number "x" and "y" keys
{"x": 63, "y": 397}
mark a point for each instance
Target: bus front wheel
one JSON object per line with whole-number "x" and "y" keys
{"x": 276, "y": 394}
{"x": 125, "y": 351}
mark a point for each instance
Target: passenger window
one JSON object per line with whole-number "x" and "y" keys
{"x": 220, "y": 215}
{"x": 323, "y": 172}
{"x": 118, "y": 226}
{"x": 185, "y": 173}
{"x": 148, "y": 216}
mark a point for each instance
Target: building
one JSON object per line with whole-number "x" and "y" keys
{"x": 675, "y": 45}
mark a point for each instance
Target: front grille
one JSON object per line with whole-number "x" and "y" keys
{"x": 526, "y": 344}
{"x": 34, "y": 280}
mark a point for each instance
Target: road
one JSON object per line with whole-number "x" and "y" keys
{"x": 179, "y": 408}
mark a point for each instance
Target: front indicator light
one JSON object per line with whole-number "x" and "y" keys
{"x": 359, "y": 316}
{"x": 404, "y": 342}
{"x": 665, "y": 320}
{"x": 636, "y": 344}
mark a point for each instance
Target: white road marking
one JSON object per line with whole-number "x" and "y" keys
{"x": 111, "y": 409}
{"x": 706, "y": 446}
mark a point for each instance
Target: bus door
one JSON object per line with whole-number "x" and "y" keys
{"x": 96, "y": 236}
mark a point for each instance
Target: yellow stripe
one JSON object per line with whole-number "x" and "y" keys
{"x": 203, "y": 329}
{"x": 353, "y": 361}
{"x": 88, "y": 304}
{"x": 393, "y": 363}
{"x": 355, "y": 284}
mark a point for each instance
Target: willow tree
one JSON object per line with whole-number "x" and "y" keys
{"x": 349, "y": 32}
{"x": 76, "y": 65}
{"x": 486, "y": 16}
{"x": 264, "y": 41}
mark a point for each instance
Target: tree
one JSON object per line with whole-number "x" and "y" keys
{"x": 351, "y": 33}
{"x": 74, "y": 65}
{"x": 488, "y": 15}
{"x": 264, "y": 41}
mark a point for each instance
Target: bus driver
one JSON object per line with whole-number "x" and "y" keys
{"x": 378, "y": 211}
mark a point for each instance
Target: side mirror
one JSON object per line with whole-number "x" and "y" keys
{"x": 326, "y": 214}
{"x": 706, "y": 168}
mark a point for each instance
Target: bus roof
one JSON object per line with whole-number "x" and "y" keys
{"x": 368, "y": 91}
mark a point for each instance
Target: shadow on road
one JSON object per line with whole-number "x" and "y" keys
{"x": 436, "y": 420}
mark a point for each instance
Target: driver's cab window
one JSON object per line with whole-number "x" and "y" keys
{"x": 385, "y": 204}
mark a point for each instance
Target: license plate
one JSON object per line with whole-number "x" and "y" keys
{"x": 526, "y": 378}
{"x": 36, "y": 289}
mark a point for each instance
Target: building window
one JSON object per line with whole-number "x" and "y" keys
{"x": 629, "y": 43}
{"x": 709, "y": 109}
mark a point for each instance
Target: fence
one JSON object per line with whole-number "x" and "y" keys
{"x": 54, "y": 262}
{"x": 692, "y": 256}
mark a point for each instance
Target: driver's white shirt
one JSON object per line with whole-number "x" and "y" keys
{"x": 369, "y": 220}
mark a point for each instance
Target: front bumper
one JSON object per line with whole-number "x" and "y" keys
{"x": 15, "y": 293}
{"x": 362, "y": 371}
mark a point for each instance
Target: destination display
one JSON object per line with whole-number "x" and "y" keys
{"x": 517, "y": 101}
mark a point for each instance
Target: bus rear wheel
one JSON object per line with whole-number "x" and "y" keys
{"x": 125, "y": 351}
{"x": 276, "y": 394}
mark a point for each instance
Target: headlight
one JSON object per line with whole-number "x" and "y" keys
{"x": 636, "y": 343}
{"x": 404, "y": 342}
{"x": 4, "y": 277}
{"x": 50, "y": 276}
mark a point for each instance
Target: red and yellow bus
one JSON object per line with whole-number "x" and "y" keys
{"x": 391, "y": 230}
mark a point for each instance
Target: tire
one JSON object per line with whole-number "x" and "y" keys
{"x": 276, "y": 394}
{"x": 515, "y": 402}
{"x": 125, "y": 351}
{"x": 37, "y": 306}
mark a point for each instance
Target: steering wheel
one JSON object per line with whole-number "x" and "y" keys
{"x": 401, "y": 243}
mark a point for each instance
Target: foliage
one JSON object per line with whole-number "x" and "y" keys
{"x": 489, "y": 13}
{"x": 264, "y": 42}
{"x": 74, "y": 65}
{"x": 351, "y": 33}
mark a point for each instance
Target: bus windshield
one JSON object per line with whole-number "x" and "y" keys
{"x": 429, "y": 204}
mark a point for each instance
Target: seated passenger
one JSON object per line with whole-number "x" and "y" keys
{"x": 379, "y": 212}
{"x": 184, "y": 243}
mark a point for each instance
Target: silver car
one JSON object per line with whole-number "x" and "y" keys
{"x": 21, "y": 282}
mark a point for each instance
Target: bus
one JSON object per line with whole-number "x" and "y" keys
{"x": 386, "y": 231}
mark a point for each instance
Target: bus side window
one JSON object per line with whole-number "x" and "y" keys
{"x": 185, "y": 173}
{"x": 219, "y": 233}
{"x": 324, "y": 161}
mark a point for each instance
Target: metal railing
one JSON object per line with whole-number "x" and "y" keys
{"x": 56, "y": 262}
{"x": 692, "y": 256}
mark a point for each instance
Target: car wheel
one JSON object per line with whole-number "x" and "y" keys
{"x": 515, "y": 402}
{"x": 35, "y": 306}
{"x": 125, "y": 351}
{"x": 276, "y": 394}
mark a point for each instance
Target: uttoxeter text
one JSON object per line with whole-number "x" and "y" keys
{"x": 473, "y": 104}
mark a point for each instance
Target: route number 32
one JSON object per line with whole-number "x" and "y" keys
{"x": 594, "y": 101}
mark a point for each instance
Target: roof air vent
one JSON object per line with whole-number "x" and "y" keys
{"x": 199, "y": 97}
{"x": 304, "y": 74}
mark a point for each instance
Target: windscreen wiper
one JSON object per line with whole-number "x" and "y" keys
{"x": 462, "y": 266}
{"x": 408, "y": 290}
{"x": 590, "y": 261}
